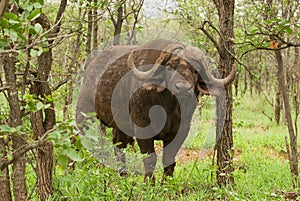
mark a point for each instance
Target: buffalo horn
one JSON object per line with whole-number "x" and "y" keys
{"x": 196, "y": 55}
{"x": 165, "y": 54}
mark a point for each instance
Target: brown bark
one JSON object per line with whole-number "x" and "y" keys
{"x": 277, "y": 105}
{"x": 19, "y": 167}
{"x": 42, "y": 121}
{"x": 224, "y": 103}
{"x": 88, "y": 47}
{"x": 5, "y": 192}
{"x": 286, "y": 104}
{"x": 40, "y": 124}
{"x": 118, "y": 25}
{"x": 3, "y": 5}
{"x": 245, "y": 83}
{"x": 95, "y": 25}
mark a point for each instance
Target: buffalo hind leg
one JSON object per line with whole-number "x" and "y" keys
{"x": 121, "y": 141}
{"x": 147, "y": 147}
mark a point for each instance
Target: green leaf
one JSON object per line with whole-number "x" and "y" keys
{"x": 289, "y": 30}
{"x": 63, "y": 161}
{"x": 72, "y": 154}
{"x": 54, "y": 135}
{"x": 33, "y": 53}
{"x": 22, "y": 37}
{"x": 39, "y": 105}
{"x": 3, "y": 42}
{"x": 86, "y": 142}
{"x": 11, "y": 16}
{"x": 38, "y": 28}
{"x": 255, "y": 30}
{"x": 4, "y": 23}
{"x": 7, "y": 129}
{"x": 14, "y": 21}
{"x": 28, "y": 7}
{"x": 37, "y": 5}
{"x": 33, "y": 15}
{"x": 13, "y": 35}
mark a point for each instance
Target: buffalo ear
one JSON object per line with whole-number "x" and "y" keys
{"x": 202, "y": 88}
{"x": 208, "y": 90}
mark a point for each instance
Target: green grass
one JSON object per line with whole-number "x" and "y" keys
{"x": 261, "y": 165}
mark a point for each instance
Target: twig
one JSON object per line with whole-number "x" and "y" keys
{"x": 268, "y": 116}
{"x": 24, "y": 149}
{"x": 59, "y": 84}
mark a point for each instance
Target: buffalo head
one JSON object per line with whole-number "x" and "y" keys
{"x": 184, "y": 69}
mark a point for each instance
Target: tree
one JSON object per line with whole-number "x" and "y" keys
{"x": 24, "y": 30}
{"x": 276, "y": 31}
{"x": 224, "y": 9}
{"x": 224, "y": 104}
{"x": 119, "y": 11}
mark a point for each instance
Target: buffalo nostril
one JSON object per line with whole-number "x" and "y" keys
{"x": 182, "y": 86}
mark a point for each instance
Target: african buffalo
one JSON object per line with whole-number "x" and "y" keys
{"x": 148, "y": 92}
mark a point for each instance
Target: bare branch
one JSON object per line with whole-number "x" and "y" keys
{"x": 59, "y": 84}
{"x": 24, "y": 149}
{"x": 211, "y": 38}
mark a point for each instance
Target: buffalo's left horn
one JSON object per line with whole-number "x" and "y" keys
{"x": 165, "y": 55}
{"x": 196, "y": 56}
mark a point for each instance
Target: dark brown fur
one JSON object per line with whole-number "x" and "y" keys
{"x": 114, "y": 61}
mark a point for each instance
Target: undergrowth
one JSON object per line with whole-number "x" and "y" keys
{"x": 261, "y": 166}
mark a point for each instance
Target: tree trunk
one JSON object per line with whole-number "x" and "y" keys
{"x": 236, "y": 85}
{"x": 245, "y": 83}
{"x": 277, "y": 105}
{"x": 287, "y": 110}
{"x": 41, "y": 121}
{"x": 5, "y": 192}
{"x": 3, "y": 5}
{"x": 118, "y": 25}
{"x": 95, "y": 25}
{"x": 224, "y": 103}
{"x": 19, "y": 167}
{"x": 88, "y": 46}
{"x": 44, "y": 120}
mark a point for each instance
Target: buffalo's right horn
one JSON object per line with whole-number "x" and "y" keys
{"x": 196, "y": 55}
{"x": 165, "y": 55}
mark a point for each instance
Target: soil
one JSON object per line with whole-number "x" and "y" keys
{"x": 186, "y": 155}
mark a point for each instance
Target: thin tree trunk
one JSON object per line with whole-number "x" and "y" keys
{"x": 286, "y": 104}
{"x": 5, "y": 192}
{"x": 224, "y": 103}
{"x": 236, "y": 85}
{"x": 44, "y": 120}
{"x": 118, "y": 25}
{"x": 245, "y": 83}
{"x": 19, "y": 167}
{"x": 277, "y": 105}
{"x": 3, "y": 5}
{"x": 41, "y": 122}
{"x": 88, "y": 47}
{"x": 95, "y": 26}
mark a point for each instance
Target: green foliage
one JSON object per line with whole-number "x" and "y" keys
{"x": 33, "y": 104}
{"x": 18, "y": 27}
{"x": 62, "y": 141}
{"x": 261, "y": 167}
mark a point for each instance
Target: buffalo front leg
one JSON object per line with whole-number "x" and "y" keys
{"x": 147, "y": 147}
{"x": 121, "y": 140}
{"x": 170, "y": 150}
